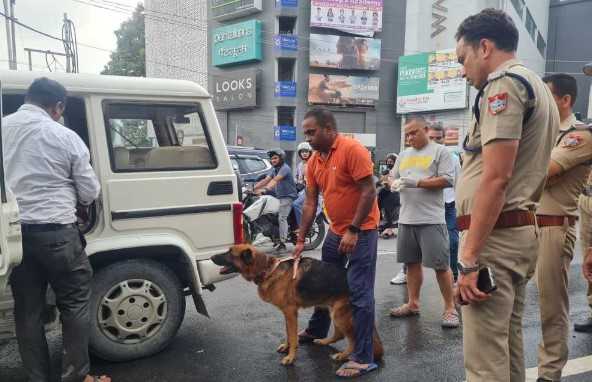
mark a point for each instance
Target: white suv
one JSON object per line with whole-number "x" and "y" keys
{"x": 169, "y": 201}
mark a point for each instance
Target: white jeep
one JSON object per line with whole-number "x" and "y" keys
{"x": 169, "y": 200}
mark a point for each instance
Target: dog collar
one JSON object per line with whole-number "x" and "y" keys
{"x": 261, "y": 277}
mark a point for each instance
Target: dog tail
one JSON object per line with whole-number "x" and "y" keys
{"x": 378, "y": 349}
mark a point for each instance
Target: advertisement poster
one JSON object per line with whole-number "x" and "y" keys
{"x": 342, "y": 90}
{"x": 430, "y": 81}
{"x": 361, "y": 17}
{"x": 344, "y": 52}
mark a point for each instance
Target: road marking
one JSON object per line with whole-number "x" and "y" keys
{"x": 573, "y": 367}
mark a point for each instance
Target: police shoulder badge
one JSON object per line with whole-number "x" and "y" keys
{"x": 572, "y": 140}
{"x": 497, "y": 103}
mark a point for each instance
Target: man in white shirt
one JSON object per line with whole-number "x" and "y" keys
{"x": 48, "y": 169}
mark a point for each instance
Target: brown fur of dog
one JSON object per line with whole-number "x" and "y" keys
{"x": 282, "y": 290}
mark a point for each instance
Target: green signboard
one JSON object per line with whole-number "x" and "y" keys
{"x": 430, "y": 81}
{"x": 237, "y": 43}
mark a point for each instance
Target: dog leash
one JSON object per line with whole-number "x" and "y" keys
{"x": 284, "y": 259}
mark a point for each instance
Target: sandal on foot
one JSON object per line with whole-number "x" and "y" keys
{"x": 450, "y": 319}
{"x": 359, "y": 371}
{"x": 304, "y": 337}
{"x": 403, "y": 311}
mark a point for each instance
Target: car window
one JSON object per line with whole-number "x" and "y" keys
{"x": 253, "y": 165}
{"x": 234, "y": 164}
{"x": 150, "y": 137}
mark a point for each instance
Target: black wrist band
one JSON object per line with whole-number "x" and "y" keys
{"x": 353, "y": 229}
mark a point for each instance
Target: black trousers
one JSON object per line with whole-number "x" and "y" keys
{"x": 54, "y": 255}
{"x": 389, "y": 203}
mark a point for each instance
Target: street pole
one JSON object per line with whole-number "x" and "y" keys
{"x": 30, "y": 60}
{"x": 8, "y": 39}
{"x": 12, "y": 35}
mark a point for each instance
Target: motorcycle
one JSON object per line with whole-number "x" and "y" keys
{"x": 260, "y": 216}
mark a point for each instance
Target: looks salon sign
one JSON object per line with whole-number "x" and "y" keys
{"x": 235, "y": 90}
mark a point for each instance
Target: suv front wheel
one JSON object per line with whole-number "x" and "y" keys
{"x": 136, "y": 308}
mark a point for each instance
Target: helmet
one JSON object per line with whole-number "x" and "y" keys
{"x": 304, "y": 146}
{"x": 279, "y": 152}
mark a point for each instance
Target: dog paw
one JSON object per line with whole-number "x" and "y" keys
{"x": 283, "y": 348}
{"x": 288, "y": 360}
{"x": 340, "y": 357}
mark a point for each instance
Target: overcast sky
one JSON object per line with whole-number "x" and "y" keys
{"x": 94, "y": 26}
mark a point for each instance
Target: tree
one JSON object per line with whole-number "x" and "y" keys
{"x": 130, "y": 57}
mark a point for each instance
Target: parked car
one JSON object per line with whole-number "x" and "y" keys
{"x": 252, "y": 164}
{"x": 169, "y": 201}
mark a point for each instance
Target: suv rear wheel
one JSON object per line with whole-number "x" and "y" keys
{"x": 136, "y": 308}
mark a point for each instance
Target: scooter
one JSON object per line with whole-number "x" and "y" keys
{"x": 260, "y": 216}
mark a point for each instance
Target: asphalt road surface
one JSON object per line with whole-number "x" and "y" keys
{"x": 238, "y": 343}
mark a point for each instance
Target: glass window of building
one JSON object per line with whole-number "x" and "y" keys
{"x": 541, "y": 45}
{"x": 519, "y": 7}
{"x": 530, "y": 25}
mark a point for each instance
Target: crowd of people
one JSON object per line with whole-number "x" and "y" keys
{"x": 514, "y": 203}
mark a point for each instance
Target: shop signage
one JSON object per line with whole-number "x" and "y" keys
{"x": 237, "y": 43}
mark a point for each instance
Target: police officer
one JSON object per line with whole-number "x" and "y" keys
{"x": 507, "y": 150}
{"x": 568, "y": 169}
{"x": 586, "y": 239}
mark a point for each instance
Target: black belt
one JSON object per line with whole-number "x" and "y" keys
{"x": 26, "y": 227}
{"x": 451, "y": 204}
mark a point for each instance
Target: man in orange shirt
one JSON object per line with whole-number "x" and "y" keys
{"x": 341, "y": 169}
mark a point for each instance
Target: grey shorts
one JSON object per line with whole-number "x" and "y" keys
{"x": 425, "y": 243}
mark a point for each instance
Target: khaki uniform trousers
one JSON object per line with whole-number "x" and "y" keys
{"x": 586, "y": 232}
{"x": 555, "y": 254}
{"x": 492, "y": 329}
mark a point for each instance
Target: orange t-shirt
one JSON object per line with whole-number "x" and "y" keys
{"x": 336, "y": 178}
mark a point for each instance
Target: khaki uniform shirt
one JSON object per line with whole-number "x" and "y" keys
{"x": 502, "y": 107}
{"x": 573, "y": 153}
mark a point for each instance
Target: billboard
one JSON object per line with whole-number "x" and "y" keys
{"x": 235, "y": 90}
{"x": 430, "y": 81}
{"x": 344, "y": 52}
{"x": 237, "y": 43}
{"x": 362, "y": 17}
{"x": 230, "y": 9}
{"x": 342, "y": 90}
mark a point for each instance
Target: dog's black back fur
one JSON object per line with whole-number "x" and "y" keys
{"x": 320, "y": 280}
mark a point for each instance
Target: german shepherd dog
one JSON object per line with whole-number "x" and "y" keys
{"x": 316, "y": 284}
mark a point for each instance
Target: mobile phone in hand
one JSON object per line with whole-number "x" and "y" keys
{"x": 485, "y": 282}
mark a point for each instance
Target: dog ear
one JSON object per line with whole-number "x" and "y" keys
{"x": 247, "y": 256}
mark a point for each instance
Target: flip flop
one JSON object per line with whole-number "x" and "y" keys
{"x": 361, "y": 371}
{"x": 403, "y": 311}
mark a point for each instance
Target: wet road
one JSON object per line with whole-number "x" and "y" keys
{"x": 238, "y": 343}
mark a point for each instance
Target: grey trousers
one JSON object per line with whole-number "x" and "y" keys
{"x": 53, "y": 255}
{"x": 284, "y": 212}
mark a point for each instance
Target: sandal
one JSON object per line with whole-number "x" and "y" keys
{"x": 359, "y": 371}
{"x": 403, "y": 311}
{"x": 450, "y": 319}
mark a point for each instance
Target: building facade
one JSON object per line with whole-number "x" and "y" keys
{"x": 531, "y": 18}
{"x": 570, "y": 48}
{"x": 271, "y": 61}
{"x": 176, "y": 35}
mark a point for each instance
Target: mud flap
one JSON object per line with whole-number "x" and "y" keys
{"x": 200, "y": 306}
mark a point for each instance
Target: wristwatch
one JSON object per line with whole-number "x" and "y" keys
{"x": 465, "y": 270}
{"x": 353, "y": 229}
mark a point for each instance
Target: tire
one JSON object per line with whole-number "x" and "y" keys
{"x": 136, "y": 308}
{"x": 316, "y": 235}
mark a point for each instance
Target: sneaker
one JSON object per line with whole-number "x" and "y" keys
{"x": 450, "y": 319}
{"x": 584, "y": 326}
{"x": 400, "y": 278}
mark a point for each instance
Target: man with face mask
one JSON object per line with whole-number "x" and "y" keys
{"x": 48, "y": 169}
{"x": 388, "y": 200}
